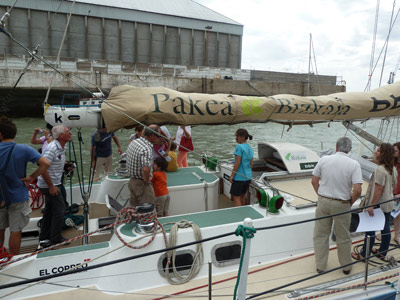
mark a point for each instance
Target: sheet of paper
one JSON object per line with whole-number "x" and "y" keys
{"x": 395, "y": 213}
{"x": 368, "y": 223}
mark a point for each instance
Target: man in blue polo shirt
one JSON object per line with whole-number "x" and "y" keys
{"x": 101, "y": 151}
{"x": 14, "y": 199}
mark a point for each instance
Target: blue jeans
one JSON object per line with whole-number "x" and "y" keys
{"x": 386, "y": 236}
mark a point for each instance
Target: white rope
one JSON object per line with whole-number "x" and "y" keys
{"x": 197, "y": 260}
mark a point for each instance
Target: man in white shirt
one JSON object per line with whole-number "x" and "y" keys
{"x": 49, "y": 184}
{"x": 337, "y": 180}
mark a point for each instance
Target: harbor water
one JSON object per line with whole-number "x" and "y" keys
{"x": 219, "y": 140}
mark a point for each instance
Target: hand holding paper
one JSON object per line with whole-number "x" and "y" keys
{"x": 373, "y": 222}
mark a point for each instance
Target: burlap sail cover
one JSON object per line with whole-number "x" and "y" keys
{"x": 164, "y": 106}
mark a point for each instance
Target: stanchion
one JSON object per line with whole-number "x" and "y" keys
{"x": 367, "y": 254}
{"x": 248, "y": 223}
{"x": 209, "y": 280}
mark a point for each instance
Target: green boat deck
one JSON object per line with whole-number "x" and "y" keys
{"x": 183, "y": 176}
{"x": 201, "y": 219}
{"x": 206, "y": 219}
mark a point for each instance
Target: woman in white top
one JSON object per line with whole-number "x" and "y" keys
{"x": 182, "y": 153}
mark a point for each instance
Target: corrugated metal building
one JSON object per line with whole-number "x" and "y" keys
{"x": 178, "y": 32}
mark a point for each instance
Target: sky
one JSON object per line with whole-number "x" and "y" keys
{"x": 276, "y": 37}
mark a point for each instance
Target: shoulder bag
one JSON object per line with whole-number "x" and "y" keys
{"x": 186, "y": 144}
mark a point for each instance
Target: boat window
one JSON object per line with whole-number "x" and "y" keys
{"x": 183, "y": 263}
{"x": 226, "y": 254}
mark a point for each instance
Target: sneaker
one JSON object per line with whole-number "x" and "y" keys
{"x": 44, "y": 243}
{"x": 346, "y": 272}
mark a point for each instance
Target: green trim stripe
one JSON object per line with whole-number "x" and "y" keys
{"x": 73, "y": 250}
{"x": 205, "y": 219}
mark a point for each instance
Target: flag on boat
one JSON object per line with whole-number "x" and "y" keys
{"x": 127, "y": 104}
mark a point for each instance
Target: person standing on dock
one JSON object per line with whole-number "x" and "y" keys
{"x": 139, "y": 159}
{"x": 14, "y": 198}
{"x": 337, "y": 180}
{"x": 101, "y": 151}
{"x": 50, "y": 184}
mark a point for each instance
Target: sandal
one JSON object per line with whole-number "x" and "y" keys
{"x": 377, "y": 254}
{"x": 357, "y": 256}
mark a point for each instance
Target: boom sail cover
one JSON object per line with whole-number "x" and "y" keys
{"x": 160, "y": 105}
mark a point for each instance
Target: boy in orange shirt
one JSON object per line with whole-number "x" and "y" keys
{"x": 160, "y": 186}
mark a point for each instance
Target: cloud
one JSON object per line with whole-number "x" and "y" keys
{"x": 276, "y": 36}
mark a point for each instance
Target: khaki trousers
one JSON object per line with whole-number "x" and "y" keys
{"x": 101, "y": 162}
{"x": 323, "y": 228}
{"x": 141, "y": 192}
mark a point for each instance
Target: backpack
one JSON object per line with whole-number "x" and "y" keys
{"x": 5, "y": 197}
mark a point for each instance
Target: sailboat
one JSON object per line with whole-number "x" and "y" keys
{"x": 118, "y": 252}
{"x": 126, "y": 255}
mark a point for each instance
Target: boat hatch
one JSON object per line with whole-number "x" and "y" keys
{"x": 225, "y": 254}
{"x": 288, "y": 157}
{"x": 183, "y": 263}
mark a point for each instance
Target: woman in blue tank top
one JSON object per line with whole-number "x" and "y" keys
{"x": 241, "y": 173}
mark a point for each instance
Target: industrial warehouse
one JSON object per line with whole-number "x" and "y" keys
{"x": 178, "y": 44}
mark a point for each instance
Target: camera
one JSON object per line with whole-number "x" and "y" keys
{"x": 69, "y": 167}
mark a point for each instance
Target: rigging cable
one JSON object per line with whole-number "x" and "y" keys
{"x": 47, "y": 63}
{"x": 59, "y": 52}
{"x": 5, "y": 102}
{"x": 376, "y": 63}
{"x": 371, "y": 62}
{"x": 387, "y": 44}
{"x": 315, "y": 65}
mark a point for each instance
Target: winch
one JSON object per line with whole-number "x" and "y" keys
{"x": 144, "y": 222}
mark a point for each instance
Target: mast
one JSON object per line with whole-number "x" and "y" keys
{"x": 309, "y": 67}
{"x": 362, "y": 133}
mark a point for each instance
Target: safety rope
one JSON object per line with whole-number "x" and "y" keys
{"x": 246, "y": 233}
{"x": 126, "y": 215}
{"x": 197, "y": 260}
{"x": 355, "y": 286}
{"x": 168, "y": 249}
